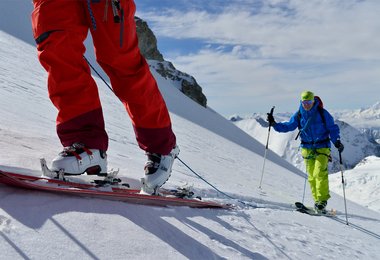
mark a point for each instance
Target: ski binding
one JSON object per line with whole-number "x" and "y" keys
{"x": 109, "y": 177}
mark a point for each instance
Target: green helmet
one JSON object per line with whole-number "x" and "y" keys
{"x": 307, "y": 95}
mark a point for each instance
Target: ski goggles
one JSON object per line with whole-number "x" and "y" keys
{"x": 307, "y": 102}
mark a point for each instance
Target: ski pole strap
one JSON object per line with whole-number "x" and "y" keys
{"x": 306, "y": 125}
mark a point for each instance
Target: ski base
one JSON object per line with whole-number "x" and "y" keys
{"x": 107, "y": 191}
{"x": 300, "y": 207}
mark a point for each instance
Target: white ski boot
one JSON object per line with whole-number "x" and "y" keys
{"x": 77, "y": 159}
{"x": 157, "y": 171}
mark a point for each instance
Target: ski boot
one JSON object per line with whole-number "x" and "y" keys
{"x": 77, "y": 159}
{"x": 157, "y": 171}
{"x": 320, "y": 207}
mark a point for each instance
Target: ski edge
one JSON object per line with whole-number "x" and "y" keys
{"x": 120, "y": 194}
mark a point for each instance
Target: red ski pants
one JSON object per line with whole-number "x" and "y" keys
{"x": 60, "y": 28}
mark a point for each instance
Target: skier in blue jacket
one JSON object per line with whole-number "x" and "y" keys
{"x": 317, "y": 130}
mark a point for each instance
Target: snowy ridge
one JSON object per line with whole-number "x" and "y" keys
{"x": 361, "y": 118}
{"x": 37, "y": 225}
{"x": 366, "y": 120}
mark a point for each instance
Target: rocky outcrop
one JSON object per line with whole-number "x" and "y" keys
{"x": 147, "y": 41}
{"x": 148, "y": 47}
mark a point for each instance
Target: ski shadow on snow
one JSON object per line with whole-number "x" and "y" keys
{"x": 178, "y": 227}
{"x": 189, "y": 245}
{"x": 184, "y": 229}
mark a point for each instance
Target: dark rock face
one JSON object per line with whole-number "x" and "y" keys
{"x": 148, "y": 47}
{"x": 147, "y": 41}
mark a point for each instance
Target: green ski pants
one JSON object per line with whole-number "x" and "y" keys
{"x": 316, "y": 161}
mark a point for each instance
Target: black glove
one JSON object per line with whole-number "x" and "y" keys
{"x": 270, "y": 119}
{"x": 338, "y": 144}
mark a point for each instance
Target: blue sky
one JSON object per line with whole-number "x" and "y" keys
{"x": 250, "y": 55}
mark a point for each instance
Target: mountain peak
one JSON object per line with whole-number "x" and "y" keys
{"x": 376, "y": 106}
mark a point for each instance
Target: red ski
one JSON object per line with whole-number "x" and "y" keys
{"x": 109, "y": 192}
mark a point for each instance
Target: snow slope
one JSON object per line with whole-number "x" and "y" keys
{"x": 37, "y": 225}
{"x": 362, "y": 183}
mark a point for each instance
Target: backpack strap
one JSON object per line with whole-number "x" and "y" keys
{"x": 299, "y": 119}
{"x": 321, "y": 113}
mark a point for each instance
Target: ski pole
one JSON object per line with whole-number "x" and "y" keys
{"x": 97, "y": 73}
{"x": 304, "y": 190}
{"x": 343, "y": 185}
{"x": 266, "y": 149}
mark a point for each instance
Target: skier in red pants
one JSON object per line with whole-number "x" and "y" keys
{"x": 60, "y": 28}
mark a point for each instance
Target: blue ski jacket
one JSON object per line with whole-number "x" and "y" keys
{"x": 316, "y": 132}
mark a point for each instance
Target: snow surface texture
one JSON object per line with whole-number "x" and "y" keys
{"x": 39, "y": 225}
{"x": 362, "y": 183}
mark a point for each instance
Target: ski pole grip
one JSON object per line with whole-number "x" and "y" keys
{"x": 271, "y": 111}
{"x": 340, "y": 158}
